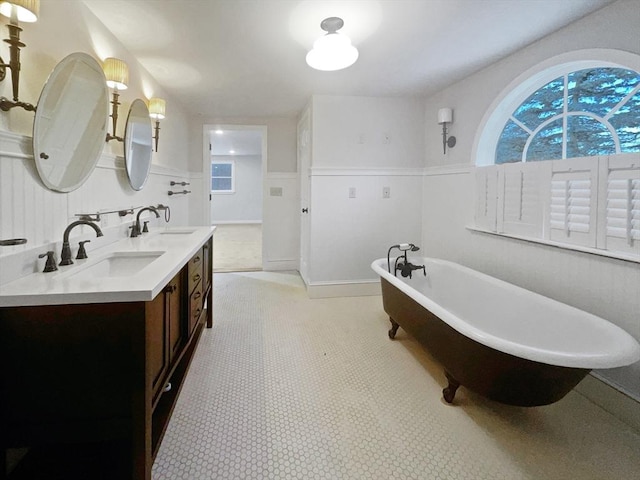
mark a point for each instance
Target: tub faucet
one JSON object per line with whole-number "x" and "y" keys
{"x": 66, "y": 249}
{"x": 135, "y": 230}
{"x": 407, "y": 268}
{"x": 403, "y": 247}
{"x": 402, "y": 263}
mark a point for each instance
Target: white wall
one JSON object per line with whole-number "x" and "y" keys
{"x": 603, "y": 286}
{"x": 367, "y": 132}
{"x": 244, "y": 205}
{"x": 27, "y": 208}
{"x": 366, "y": 144}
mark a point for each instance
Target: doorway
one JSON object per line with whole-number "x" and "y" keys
{"x": 235, "y": 157}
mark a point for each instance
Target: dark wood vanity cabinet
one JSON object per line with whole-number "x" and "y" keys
{"x": 101, "y": 374}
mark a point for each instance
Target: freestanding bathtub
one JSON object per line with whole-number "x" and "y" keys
{"x": 499, "y": 340}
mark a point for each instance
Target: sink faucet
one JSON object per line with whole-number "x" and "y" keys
{"x": 135, "y": 230}
{"x": 66, "y": 249}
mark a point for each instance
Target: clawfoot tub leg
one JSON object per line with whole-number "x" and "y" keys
{"x": 450, "y": 390}
{"x": 394, "y": 328}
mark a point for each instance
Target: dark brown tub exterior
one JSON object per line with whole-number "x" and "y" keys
{"x": 496, "y": 375}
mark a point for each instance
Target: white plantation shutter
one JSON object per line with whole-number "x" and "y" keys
{"x": 620, "y": 209}
{"x": 521, "y": 207}
{"x": 591, "y": 203}
{"x": 573, "y": 202}
{"x": 486, "y": 197}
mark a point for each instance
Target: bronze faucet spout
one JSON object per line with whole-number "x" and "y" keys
{"x": 135, "y": 231}
{"x": 66, "y": 249}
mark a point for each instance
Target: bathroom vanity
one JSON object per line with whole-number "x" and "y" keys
{"x": 97, "y": 352}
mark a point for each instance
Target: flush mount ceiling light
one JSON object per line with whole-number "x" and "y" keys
{"x": 332, "y": 51}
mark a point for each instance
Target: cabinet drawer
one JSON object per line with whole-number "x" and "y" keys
{"x": 195, "y": 269}
{"x": 196, "y": 302}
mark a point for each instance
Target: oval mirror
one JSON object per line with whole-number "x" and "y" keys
{"x": 137, "y": 144}
{"x": 71, "y": 121}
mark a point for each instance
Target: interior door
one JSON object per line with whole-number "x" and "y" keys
{"x": 304, "y": 162}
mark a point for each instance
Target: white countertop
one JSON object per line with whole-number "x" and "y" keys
{"x": 174, "y": 247}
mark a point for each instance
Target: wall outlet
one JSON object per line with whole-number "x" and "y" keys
{"x": 352, "y": 192}
{"x": 386, "y": 192}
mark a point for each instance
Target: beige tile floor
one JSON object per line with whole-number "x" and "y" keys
{"x": 237, "y": 247}
{"x": 284, "y": 387}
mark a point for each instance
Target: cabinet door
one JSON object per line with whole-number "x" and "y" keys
{"x": 207, "y": 255}
{"x": 175, "y": 316}
{"x": 156, "y": 340}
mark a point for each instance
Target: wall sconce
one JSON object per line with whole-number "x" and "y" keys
{"x": 16, "y": 11}
{"x": 156, "y": 111}
{"x": 445, "y": 115}
{"x": 117, "y": 73}
{"x": 332, "y": 51}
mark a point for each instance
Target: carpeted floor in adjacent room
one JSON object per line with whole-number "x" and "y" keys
{"x": 237, "y": 247}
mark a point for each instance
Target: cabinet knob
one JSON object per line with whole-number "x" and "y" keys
{"x": 170, "y": 288}
{"x": 196, "y": 277}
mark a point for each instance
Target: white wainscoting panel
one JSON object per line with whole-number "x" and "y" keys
{"x": 29, "y": 210}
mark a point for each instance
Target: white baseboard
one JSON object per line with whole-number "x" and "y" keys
{"x": 344, "y": 289}
{"x": 279, "y": 265}
{"x": 623, "y": 407}
{"x": 235, "y": 222}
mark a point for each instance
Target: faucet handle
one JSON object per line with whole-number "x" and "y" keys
{"x": 50, "y": 266}
{"x": 134, "y": 230}
{"x": 145, "y": 229}
{"x": 82, "y": 253}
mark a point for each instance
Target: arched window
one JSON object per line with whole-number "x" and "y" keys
{"x": 588, "y": 112}
{"x": 581, "y": 110}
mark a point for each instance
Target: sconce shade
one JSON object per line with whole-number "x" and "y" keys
{"x": 332, "y": 51}
{"x": 23, "y": 10}
{"x": 157, "y": 108}
{"x": 117, "y": 73}
{"x": 445, "y": 115}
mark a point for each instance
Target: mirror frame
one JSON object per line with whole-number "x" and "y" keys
{"x": 88, "y": 144}
{"x": 138, "y": 149}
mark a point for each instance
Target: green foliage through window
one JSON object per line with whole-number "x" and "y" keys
{"x": 588, "y": 112}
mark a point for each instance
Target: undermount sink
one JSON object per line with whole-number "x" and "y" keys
{"x": 117, "y": 264}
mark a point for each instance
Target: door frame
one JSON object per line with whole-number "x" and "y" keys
{"x": 206, "y": 169}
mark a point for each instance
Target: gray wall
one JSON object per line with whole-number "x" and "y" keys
{"x": 245, "y": 204}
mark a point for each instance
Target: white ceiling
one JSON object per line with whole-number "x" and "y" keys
{"x": 246, "y": 58}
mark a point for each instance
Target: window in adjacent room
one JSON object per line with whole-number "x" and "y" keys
{"x": 222, "y": 176}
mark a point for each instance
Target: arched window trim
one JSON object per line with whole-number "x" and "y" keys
{"x": 524, "y": 85}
